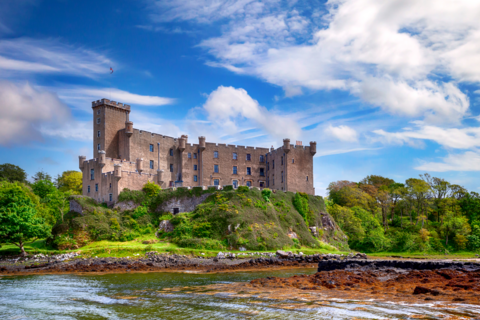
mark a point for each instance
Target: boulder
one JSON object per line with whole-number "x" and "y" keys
{"x": 76, "y": 207}
{"x": 282, "y": 254}
{"x": 292, "y": 235}
{"x": 166, "y": 226}
{"x": 220, "y": 255}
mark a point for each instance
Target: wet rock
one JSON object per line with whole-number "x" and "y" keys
{"x": 282, "y": 254}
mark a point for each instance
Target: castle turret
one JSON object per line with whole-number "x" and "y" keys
{"x": 101, "y": 158}
{"x": 201, "y": 143}
{"x": 128, "y": 128}
{"x": 286, "y": 145}
{"x": 160, "y": 177}
{"x": 117, "y": 171}
{"x": 139, "y": 165}
{"x": 313, "y": 147}
{"x": 181, "y": 144}
{"x": 81, "y": 160}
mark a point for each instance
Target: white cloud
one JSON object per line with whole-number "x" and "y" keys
{"x": 203, "y": 11}
{"x": 455, "y": 138}
{"x": 469, "y": 161}
{"x": 385, "y": 52}
{"x": 226, "y": 107}
{"x": 81, "y": 97}
{"x": 26, "y": 55}
{"x": 330, "y": 152}
{"x": 342, "y": 133}
{"x": 25, "y": 110}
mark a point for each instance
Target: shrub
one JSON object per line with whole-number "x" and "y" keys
{"x": 151, "y": 189}
{"x": 136, "y": 196}
{"x": 460, "y": 242}
{"x": 243, "y": 189}
{"x": 228, "y": 188}
{"x": 197, "y": 243}
{"x": 139, "y": 212}
{"x": 266, "y": 194}
{"x": 300, "y": 202}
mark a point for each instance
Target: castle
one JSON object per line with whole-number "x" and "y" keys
{"x": 125, "y": 157}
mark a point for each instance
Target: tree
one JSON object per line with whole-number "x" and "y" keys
{"x": 455, "y": 225}
{"x": 348, "y": 222}
{"x": 11, "y": 173}
{"x": 18, "y": 220}
{"x": 41, "y": 175}
{"x": 70, "y": 181}
{"x": 58, "y": 201}
{"x": 43, "y": 187}
{"x": 151, "y": 189}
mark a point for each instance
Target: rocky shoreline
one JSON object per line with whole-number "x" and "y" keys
{"x": 154, "y": 262}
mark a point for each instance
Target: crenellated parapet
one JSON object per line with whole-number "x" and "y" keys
{"x": 107, "y": 102}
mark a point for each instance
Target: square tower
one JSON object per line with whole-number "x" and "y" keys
{"x": 108, "y": 118}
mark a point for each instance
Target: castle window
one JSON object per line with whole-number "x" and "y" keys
{"x": 98, "y": 111}
{"x": 262, "y": 172}
{"x": 216, "y": 182}
{"x": 215, "y": 154}
{"x": 171, "y": 152}
{"x": 110, "y": 197}
{"x": 88, "y": 189}
{"x": 194, "y": 156}
{"x": 234, "y": 156}
{"x": 262, "y": 184}
{"x": 96, "y": 187}
{"x": 98, "y": 146}
{"x": 98, "y": 133}
{"x": 195, "y": 167}
{"x": 293, "y": 160}
{"x": 195, "y": 178}
{"x": 189, "y": 155}
{"x": 249, "y": 183}
{"x": 98, "y": 120}
{"x": 92, "y": 174}
{"x": 273, "y": 164}
{"x": 151, "y": 164}
{"x": 282, "y": 176}
{"x": 215, "y": 168}
{"x": 151, "y": 148}
{"x": 171, "y": 167}
{"x": 249, "y": 171}
{"x": 234, "y": 169}
{"x": 235, "y": 183}
{"x": 307, "y": 178}
{"x": 262, "y": 159}
{"x": 249, "y": 157}
{"x": 110, "y": 186}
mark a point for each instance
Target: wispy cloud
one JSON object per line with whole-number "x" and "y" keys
{"x": 468, "y": 161}
{"x": 25, "y": 55}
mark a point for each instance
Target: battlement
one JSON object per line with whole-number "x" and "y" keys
{"x": 107, "y": 102}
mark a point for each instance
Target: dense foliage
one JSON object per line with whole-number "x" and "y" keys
{"x": 427, "y": 214}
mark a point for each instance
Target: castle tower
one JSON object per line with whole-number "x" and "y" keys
{"x": 108, "y": 118}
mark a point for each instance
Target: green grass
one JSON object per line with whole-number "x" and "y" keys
{"x": 136, "y": 248}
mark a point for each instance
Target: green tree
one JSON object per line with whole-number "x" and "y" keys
{"x": 348, "y": 222}
{"x": 58, "y": 202}
{"x": 18, "y": 220}
{"x": 43, "y": 187}
{"x": 41, "y": 175}
{"x": 374, "y": 239}
{"x": 70, "y": 181}
{"x": 11, "y": 173}
{"x": 454, "y": 224}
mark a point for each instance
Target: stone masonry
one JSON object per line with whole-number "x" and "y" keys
{"x": 125, "y": 157}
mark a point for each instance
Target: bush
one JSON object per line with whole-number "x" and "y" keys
{"x": 243, "y": 189}
{"x": 151, "y": 189}
{"x": 228, "y": 188}
{"x": 139, "y": 212}
{"x": 266, "y": 194}
{"x": 300, "y": 202}
{"x": 460, "y": 242}
{"x": 135, "y": 196}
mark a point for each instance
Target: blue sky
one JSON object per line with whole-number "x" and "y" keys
{"x": 385, "y": 87}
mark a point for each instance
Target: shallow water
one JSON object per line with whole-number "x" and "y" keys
{"x": 136, "y": 296}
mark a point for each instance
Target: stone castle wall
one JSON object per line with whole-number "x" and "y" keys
{"x": 191, "y": 164}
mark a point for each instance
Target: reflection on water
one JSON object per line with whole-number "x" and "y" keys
{"x": 143, "y": 296}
